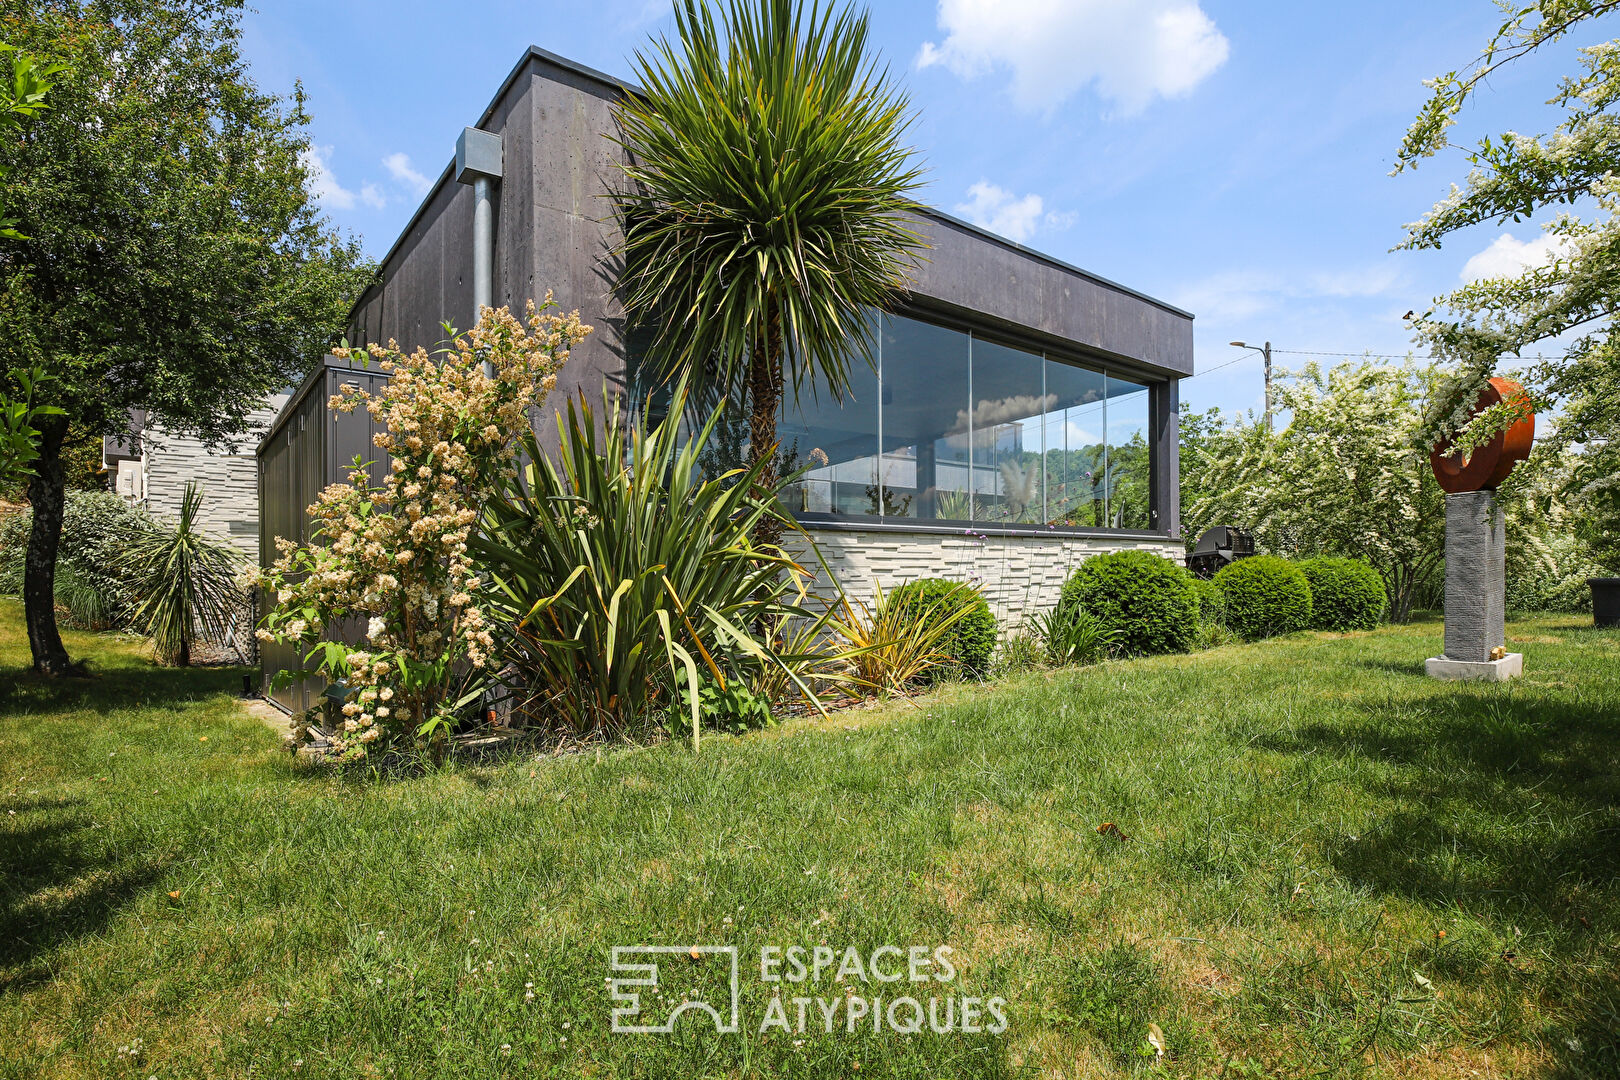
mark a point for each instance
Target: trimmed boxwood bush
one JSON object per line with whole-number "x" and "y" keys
{"x": 1265, "y": 595}
{"x": 971, "y": 641}
{"x": 1149, "y": 599}
{"x": 1346, "y": 594}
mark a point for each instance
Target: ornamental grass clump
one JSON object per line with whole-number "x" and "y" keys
{"x": 395, "y": 556}
{"x": 972, "y": 639}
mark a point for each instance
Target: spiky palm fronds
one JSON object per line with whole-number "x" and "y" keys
{"x": 765, "y": 198}
{"x": 186, "y": 582}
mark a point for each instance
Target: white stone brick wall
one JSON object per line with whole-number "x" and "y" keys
{"x": 1020, "y": 576}
{"x": 229, "y": 481}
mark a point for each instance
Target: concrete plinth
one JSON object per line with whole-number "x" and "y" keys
{"x": 1476, "y": 589}
{"x": 1510, "y": 666}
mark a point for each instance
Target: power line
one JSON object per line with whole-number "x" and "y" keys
{"x": 1344, "y": 355}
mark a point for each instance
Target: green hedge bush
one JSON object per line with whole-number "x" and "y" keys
{"x": 93, "y": 578}
{"x": 971, "y": 642}
{"x": 1150, "y": 600}
{"x": 1265, "y": 595}
{"x": 1346, "y": 594}
{"x": 1211, "y": 602}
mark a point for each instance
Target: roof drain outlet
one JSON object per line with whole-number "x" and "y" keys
{"x": 478, "y": 162}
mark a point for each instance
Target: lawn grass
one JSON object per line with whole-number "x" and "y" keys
{"x": 1335, "y": 866}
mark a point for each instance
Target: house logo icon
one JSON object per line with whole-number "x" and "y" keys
{"x": 635, "y": 983}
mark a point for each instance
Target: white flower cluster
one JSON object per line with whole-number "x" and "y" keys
{"x": 396, "y": 554}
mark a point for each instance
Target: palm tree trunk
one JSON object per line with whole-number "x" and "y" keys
{"x": 765, "y": 397}
{"x": 47, "y": 493}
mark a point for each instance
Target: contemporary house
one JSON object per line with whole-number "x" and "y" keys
{"x": 1021, "y": 416}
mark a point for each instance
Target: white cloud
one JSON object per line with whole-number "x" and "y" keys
{"x": 1000, "y": 211}
{"x": 1508, "y": 256}
{"x": 323, "y": 185}
{"x": 1133, "y": 52}
{"x": 1234, "y": 295}
{"x": 399, "y": 167}
{"x": 372, "y": 196}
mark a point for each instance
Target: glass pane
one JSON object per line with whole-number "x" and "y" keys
{"x": 925, "y": 421}
{"x": 1129, "y": 458}
{"x": 1009, "y": 403}
{"x": 838, "y": 440}
{"x": 1075, "y": 446}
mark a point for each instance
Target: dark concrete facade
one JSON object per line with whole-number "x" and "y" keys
{"x": 554, "y": 230}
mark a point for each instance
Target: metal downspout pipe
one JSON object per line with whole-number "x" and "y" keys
{"x": 480, "y": 162}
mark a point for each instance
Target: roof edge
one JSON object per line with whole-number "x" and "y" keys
{"x": 608, "y": 82}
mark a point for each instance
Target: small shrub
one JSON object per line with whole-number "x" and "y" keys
{"x": 1265, "y": 595}
{"x": 972, "y": 640}
{"x": 1346, "y": 594}
{"x": 1146, "y": 598}
{"x": 1073, "y": 635}
{"x": 94, "y": 585}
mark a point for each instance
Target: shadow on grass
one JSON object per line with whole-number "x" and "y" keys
{"x": 57, "y": 885}
{"x": 113, "y": 689}
{"x": 1506, "y": 807}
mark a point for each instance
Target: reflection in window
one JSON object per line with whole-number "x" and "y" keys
{"x": 837, "y": 440}
{"x": 1009, "y": 409}
{"x": 1129, "y": 465}
{"x": 1076, "y": 447}
{"x": 925, "y": 440}
{"x": 952, "y": 427}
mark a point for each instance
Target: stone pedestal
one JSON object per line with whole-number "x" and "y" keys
{"x": 1476, "y": 592}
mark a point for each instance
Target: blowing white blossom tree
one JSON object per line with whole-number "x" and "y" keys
{"x": 1573, "y": 173}
{"x": 1347, "y": 476}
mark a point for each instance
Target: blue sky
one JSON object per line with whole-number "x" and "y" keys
{"x": 1228, "y": 156}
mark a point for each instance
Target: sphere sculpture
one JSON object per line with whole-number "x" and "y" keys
{"x": 1476, "y": 616}
{"x": 1489, "y": 465}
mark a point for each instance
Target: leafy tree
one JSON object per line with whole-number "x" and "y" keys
{"x": 765, "y": 200}
{"x": 1348, "y": 476}
{"x": 171, "y": 258}
{"x": 21, "y": 97}
{"x": 1572, "y": 172}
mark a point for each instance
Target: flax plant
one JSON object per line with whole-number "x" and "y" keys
{"x": 616, "y": 562}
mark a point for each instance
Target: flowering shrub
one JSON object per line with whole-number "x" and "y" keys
{"x": 394, "y": 556}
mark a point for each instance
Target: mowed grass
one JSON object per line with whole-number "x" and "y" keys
{"x": 1334, "y": 867}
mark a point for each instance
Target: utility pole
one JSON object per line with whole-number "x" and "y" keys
{"x": 1265, "y": 351}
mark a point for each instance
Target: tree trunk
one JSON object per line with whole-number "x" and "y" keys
{"x": 47, "y": 493}
{"x": 765, "y": 396}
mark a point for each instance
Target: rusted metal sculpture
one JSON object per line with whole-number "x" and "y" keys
{"x": 1489, "y": 465}
{"x": 1476, "y": 586}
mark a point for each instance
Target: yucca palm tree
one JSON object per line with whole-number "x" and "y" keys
{"x": 764, "y": 201}
{"x": 186, "y": 581}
